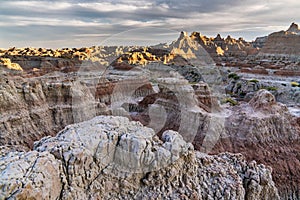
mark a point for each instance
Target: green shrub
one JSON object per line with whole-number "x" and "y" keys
{"x": 270, "y": 88}
{"x": 254, "y": 81}
{"x": 231, "y": 101}
{"x": 234, "y": 76}
{"x": 243, "y": 94}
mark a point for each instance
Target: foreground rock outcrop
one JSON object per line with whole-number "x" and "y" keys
{"x": 110, "y": 157}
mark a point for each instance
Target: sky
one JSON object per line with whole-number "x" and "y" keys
{"x": 78, "y": 23}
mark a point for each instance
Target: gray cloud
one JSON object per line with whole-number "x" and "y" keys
{"x": 59, "y": 23}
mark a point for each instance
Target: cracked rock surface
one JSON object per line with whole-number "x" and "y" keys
{"x": 112, "y": 158}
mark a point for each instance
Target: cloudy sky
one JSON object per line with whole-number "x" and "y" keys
{"x": 75, "y": 23}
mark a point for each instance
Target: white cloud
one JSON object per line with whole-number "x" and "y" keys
{"x": 37, "y": 5}
{"x": 29, "y": 21}
{"x": 91, "y": 18}
{"x": 109, "y": 7}
{"x": 92, "y": 35}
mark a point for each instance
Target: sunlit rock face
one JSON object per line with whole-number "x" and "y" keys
{"x": 110, "y": 157}
{"x": 225, "y": 49}
{"x": 6, "y": 66}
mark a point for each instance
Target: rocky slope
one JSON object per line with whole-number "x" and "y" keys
{"x": 53, "y": 109}
{"x": 34, "y": 108}
{"x": 110, "y": 157}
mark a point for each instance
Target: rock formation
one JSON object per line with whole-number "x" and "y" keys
{"x": 175, "y": 87}
{"x": 32, "y": 108}
{"x": 264, "y": 130}
{"x": 191, "y": 50}
{"x": 277, "y": 53}
{"x": 224, "y": 50}
{"x": 284, "y": 42}
{"x": 110, "y": 157}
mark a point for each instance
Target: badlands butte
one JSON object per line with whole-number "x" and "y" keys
{"x": 200, "y": 118}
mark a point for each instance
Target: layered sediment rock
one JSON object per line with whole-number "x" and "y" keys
{"x": 45, "y": 102}
{"x": 276, "y": 54}
{"x": 33, "y": 108}
{"x": 283, "y": 42}
{"x": 191, "y": 50}
{"x": 264, "y": 130}
{"x": 110, "y": 157}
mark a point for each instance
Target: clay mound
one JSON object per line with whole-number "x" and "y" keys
{"x": 264, "y": 101}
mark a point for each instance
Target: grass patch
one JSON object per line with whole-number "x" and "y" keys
{"x": 253, "y": 81}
